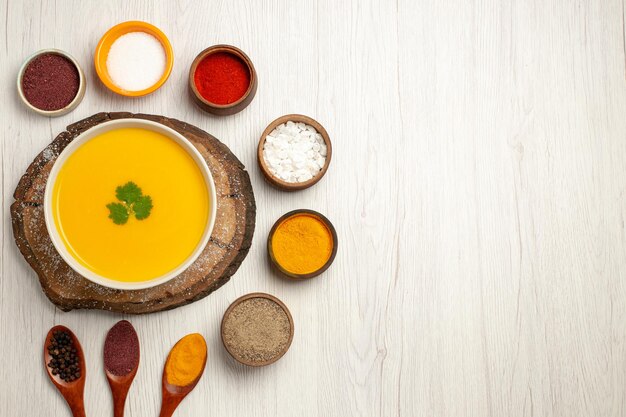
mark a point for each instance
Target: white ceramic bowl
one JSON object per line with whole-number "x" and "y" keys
{"x": 83, "y": 138}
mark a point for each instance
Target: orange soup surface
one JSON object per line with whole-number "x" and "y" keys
{"x": 136, "y": 232}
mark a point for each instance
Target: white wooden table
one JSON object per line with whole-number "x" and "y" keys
{"x": 478, "y": 187}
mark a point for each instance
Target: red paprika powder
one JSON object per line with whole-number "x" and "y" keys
{"x": 222, "y": 78}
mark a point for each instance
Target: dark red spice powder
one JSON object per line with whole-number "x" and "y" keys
{"x": 121, "y": 349}
{"x": 50, "y": 82}
{"x": 222, "y": 78}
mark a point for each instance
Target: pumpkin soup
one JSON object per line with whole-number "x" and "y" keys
{"x": 130, "y": 204}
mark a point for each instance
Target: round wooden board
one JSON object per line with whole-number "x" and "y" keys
{"x": 227, "y": 248}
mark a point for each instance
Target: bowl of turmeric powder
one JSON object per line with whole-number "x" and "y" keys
{"x": 302, "y": 244}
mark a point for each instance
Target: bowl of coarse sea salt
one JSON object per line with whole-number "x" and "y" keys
{"x": 134, "y": 58}
{"x": 294, "y": 152}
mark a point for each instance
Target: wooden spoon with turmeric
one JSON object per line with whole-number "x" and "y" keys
{"x": 183, "y": 369}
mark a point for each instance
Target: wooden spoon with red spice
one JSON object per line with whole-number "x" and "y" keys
{"x": 72, "y": 390}
{"x": 121, "y": 361}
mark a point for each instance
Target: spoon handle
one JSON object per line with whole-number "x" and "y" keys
{"x": 119, "y": 401}
{"x": 77, "y": 406}
{"x": 169, "y": 406}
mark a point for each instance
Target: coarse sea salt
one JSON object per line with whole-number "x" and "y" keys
{"x": 294, "y": 152}
{"x": 136, "y": 61}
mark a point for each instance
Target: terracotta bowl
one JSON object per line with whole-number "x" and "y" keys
{"x": 247, "y": 297}
{"x": 223, "y": 109}
{"x": 293, "y": 186}
{"x": 331, "y": 229}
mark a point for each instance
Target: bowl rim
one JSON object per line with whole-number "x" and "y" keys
{"x": 293, "y": 186}
{"x": 76, "y": 144}
{"x": 128, "y": 27}
{"x": 82, "y": 85}
{"x": 230, "y": 49}
{"x": 323, "y": 268}
{"x": 239, "y": 301}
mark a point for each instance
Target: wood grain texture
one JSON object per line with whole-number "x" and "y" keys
{"x": 478, "y": 188}
{"x": 227, "y": 248}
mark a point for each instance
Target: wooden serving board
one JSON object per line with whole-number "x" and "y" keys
{"x": 227, "y": 248}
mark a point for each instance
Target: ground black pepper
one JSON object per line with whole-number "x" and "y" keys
{"x": 50, "y": 82}
{"x": 256, "y": 330}
{"x": 65, "y": 361}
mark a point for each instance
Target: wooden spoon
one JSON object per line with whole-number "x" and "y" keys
{"x": 120, "y": 384}
{"x": 71, "y": 391}
{"x": 174, "y": 394}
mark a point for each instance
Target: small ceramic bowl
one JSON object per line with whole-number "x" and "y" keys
{"x": 223, "y": 109}
{"x": 331, "y": 229}
{"x": 102, "y": 52}
{"x": 239, "y": 301}
{"x": 93, "y": 132}
{"x": 81, "y": 84}
{"x": 293, "y": 186}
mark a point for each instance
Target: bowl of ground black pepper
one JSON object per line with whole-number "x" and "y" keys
{"x": 51, "y": 83}
{"x": 222, "y": 80}
{"x": 257, "y": 329}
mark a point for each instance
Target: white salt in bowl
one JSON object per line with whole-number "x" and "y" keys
{"x": 92, "y": 133}
{"x": 102, "y": 52}
{"x": 267, "y": 173}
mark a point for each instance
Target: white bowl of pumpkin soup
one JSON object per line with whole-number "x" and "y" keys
{"x": 130, "y": 204}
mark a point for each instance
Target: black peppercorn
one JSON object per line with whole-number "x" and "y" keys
{"x": 64, "y": 358}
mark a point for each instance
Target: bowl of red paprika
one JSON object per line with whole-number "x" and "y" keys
{"x": 222, "y": 80}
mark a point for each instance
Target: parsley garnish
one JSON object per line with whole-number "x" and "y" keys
{"x": 133, "y": 202}
{"x": 118, "y": 213}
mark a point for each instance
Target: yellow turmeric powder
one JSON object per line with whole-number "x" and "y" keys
{"x": 302, "y": 244}
{"x": 186, "y": 360}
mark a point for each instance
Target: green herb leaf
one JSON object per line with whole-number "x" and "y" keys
{"x": 142, "y": 207}
{"x": 128, "y": 193}
{"x": 132, "y": 202}
{"x": 118, "y": 213}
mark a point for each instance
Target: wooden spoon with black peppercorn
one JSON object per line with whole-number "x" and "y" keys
{"x": 121, "y": 361}
{"x": 65, "y": 364}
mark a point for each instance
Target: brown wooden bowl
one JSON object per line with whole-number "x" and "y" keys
{"x": 223, "y": 109}
{"x": 270, "y": 250}
{"x": 239, "y": 301}
{"x": 293, "y": 186}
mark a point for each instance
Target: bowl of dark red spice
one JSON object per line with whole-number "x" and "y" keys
{"x": 222, "y": 80}
{"x": 257, "y": 329}
{"x": 51, "y": 83}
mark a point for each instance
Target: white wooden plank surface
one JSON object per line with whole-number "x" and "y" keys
{"x": 478, "y": 188}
